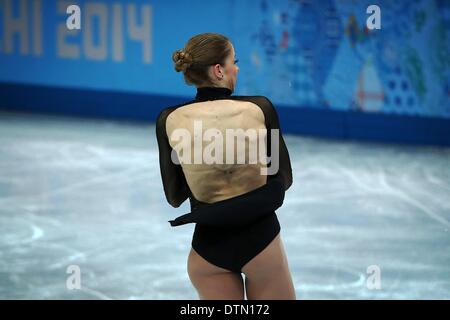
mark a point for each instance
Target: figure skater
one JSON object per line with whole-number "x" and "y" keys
{"x": 233, "y": 205}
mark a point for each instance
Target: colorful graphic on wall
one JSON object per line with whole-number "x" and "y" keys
{"x": 321, "y": 54}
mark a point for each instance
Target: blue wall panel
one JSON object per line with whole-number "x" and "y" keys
{"x": 327, "y": 74}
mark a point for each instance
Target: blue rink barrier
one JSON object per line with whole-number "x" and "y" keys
{"x": 120, "y": 105}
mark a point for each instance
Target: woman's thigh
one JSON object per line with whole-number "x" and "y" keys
{"x": 213, "y": 282}
{"x": 267, "y": 275}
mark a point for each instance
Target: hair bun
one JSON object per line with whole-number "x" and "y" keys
{"x": 182, "y": 59}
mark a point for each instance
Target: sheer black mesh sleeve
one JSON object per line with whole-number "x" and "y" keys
{"x": 172, "y": 175}
{"x": 273, "y": 122}
{"x": 255, "y": 204}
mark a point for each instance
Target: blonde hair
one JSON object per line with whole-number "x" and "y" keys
{"x": 200, "y": 52}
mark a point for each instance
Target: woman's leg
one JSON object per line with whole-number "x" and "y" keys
{"x": 267, "y": 275}
{"x": 213, "y": 282}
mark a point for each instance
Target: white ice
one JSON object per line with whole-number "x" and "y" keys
{"x": 88, "y": 193}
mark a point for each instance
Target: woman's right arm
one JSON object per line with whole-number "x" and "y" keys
{"x": 173, "y": 179}
{"x": 240, "y": 210}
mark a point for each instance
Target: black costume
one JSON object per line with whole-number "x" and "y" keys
{"x": 228, "y": 233}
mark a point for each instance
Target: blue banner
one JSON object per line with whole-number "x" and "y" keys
{"x": 317, "y": 54}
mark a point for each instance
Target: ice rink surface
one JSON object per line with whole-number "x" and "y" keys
{"x": 89, "y": 193}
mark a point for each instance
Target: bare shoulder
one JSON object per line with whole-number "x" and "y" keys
{"x": 262, "y": 105}
{"x": 251, "y": 110}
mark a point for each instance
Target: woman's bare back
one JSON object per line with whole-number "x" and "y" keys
{"x": 219, "y": 181}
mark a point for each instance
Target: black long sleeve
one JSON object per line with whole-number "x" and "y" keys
{"x": 240, "y": 210}
{"x": 173, "y": 179}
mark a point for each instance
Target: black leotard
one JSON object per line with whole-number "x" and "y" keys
{"x": 228, "y": 233}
